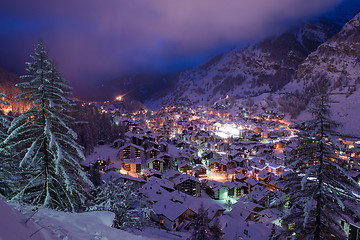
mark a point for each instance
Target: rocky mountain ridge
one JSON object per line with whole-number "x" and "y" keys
{"x": 334, "y": 66}
{"x": 263, "y": 67}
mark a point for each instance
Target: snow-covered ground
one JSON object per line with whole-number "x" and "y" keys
{"x": 47, "y": 224}
{"x": 102, "y": 152}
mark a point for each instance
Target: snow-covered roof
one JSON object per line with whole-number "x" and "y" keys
{"x": 152, "y": 149}
{"x": 154, "y": 159}
{"x": 169, "y": 209}
{"x": 251, "y": 181}
{"x": 132, "y": 145}
{"x": 241, "y": 176}
{"x": 199, "y": 166}
{"x": 169, "y": 174}
{"x": 264, "y": 174}
{"x": 150, "y": 172}
{"x": 161, "y": 182}
{"x": 132, "y": 161}
{"x": 215, "y": 185}
{"x": 114, "y": 165}
{"x": 184, "y": 177}
{"x": 235, "y": 184}
{"x": 183, "y": 163}
{"x": 258, "y": 193}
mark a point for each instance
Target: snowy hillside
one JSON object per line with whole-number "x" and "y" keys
{"x": 337, "y": 64}
{"x": 47, "y": 224}
{"x": 263, "y": 67}
{"x": 249, "y": 71}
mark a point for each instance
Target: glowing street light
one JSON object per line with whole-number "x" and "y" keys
{"x": 119, "y": 98}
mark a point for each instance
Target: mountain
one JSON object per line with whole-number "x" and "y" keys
{"x": 335, "y": 65}
{"x": 266, "y": 66}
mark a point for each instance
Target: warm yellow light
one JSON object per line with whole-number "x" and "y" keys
{"x": 119, "y": 98}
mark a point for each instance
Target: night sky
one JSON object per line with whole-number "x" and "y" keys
{"x": 96, "y": 40}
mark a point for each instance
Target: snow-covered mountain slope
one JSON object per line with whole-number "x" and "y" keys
{"x": 263, "y": 67}
{"x": 47, "y": 224}
{"x": 336, "y": 66}
{"x": 250, "y": 71}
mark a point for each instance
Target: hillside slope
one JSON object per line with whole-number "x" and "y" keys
{"x": 335, "y": 66}
{"x": 266, "y": 66}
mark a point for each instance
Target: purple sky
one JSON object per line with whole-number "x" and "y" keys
{"x": 95, "y": 40}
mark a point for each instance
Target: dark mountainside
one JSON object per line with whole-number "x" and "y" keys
{"x": 335, "y": 65}
{"x": 263, "y": 67}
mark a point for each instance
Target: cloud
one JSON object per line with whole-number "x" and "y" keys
{"x": 93, "y": 40}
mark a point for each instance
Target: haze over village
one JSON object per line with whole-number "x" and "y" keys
{"x": 182, "y": 120}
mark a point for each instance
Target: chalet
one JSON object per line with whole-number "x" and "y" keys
{"x": 132, "y": 151}
{"x": 210, "y": 154}
{"x": 185, "y": 167}
{"x": 200, "y": 170}
{"x": 260, "y": 195}
{"x": 187, "y": 184}
{"x": 156, "y": 163}
{"x": 138, "y": 130}
{"x": 214, "y": 211}
{"x": 150, "y": 144}
{"x": 132, "y": 165}
{"x": 170, "y": 215}
{"x": 241, "y": 177}
{"x": 197, "y": 160}
{"x": 251, "y": 183}
{"x": 218, "y": 165}
{"x": 240, "y": 162}
{"x": 264, "y": 176}
{"x": 167, "y": 160}
{"x": 150, "y": 172}
{"x": 236, "y": 189}
{"x": 276, "y": 184}
{"x": 162, "y": 182}
{"x": 240, "y": 170}
{"x": 151, "y": 152}
{"x": 216, "y": 190}
{"x": 134, "y": 138}
{"x": 246, "y": 209}
{"x": 154, "y": 192}
{"x": 270, "y": 216}
{"x": 235, "y": 153}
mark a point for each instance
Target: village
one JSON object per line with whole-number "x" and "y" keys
{"x": 229, "y": 161}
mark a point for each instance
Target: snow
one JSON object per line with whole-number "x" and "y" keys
{"x": 48, "y": 224}
{"x": 14, "y": 226}
{"x": 102, "y": 152}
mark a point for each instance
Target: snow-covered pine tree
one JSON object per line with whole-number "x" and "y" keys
{"x": 320, "y": 191}
{"x": 4, "y": 121}
{"x": 42, "y": 142}
{"x": 123, "y": 200}
{"x": 201, "y": 225}
{"x": 215, "y": 230}
{"x": 5, "y": 164}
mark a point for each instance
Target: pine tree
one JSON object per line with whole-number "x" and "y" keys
{"x": 123, "y": 200}
{"x": 5, "y": 163}
{"x": 201, "y": 225}
{"x": 42, "y": 142}
{"x": 215, "y": 230}
{"x": 4, "y": 120}
{"x": 321, "y": 192}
